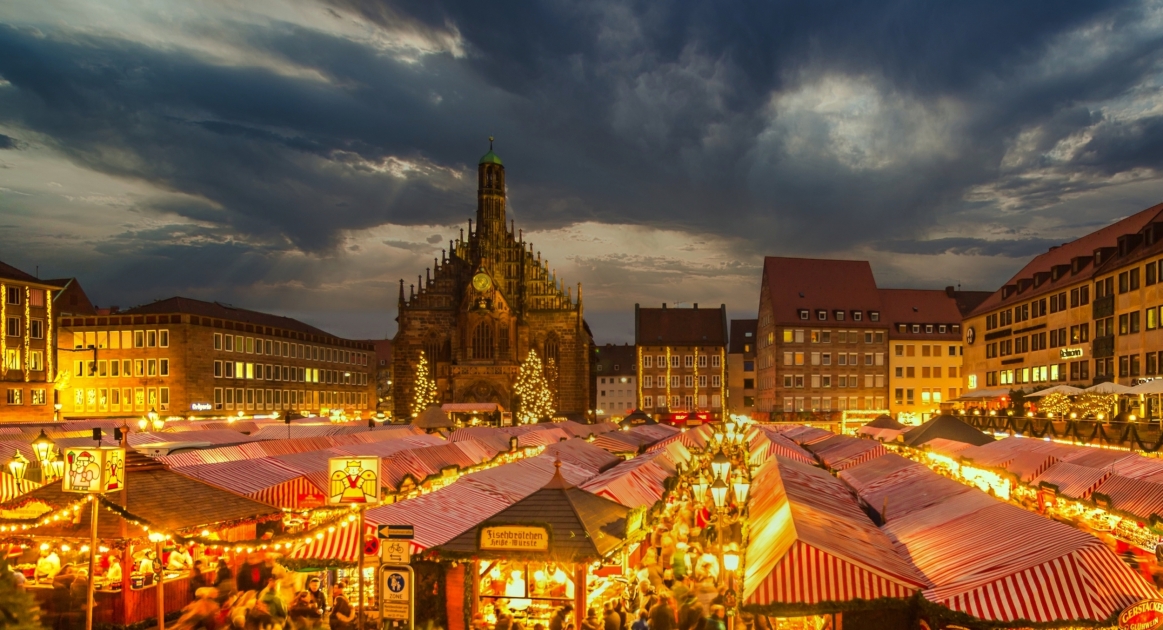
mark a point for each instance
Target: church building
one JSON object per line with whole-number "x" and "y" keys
{"x": 489, "y": 299}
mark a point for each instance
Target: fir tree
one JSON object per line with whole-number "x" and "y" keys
{"x": 18, "y": 608}
{"x": 424, "y": 390}
{"x": 533, "y": 388}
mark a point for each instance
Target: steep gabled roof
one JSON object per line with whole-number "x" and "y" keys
{"x": 919, "y": 306}
{"x": 9, "y": 272}
{"x": 948, "y": 427}
{"x": 818, "y": 283}
{"x": 680, "y": 326}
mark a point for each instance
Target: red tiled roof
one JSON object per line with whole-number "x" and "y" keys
{"x": 9, "y": 272}
{"x": 919, "y": 306}
{"x": 1063, "y": 254}
{"x": 223, "y": 311}
{"x": 739, "y": 334}
{"x": 680, "y": 326}
{"x": 815, "y": 283}
{"x": 609, "y": 355}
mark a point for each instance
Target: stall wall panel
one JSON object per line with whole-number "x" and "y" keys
{"x": 454, "y": 582}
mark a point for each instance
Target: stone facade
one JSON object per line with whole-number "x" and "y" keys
{"x": 199, "y": 359}
{"x": 487, "y": 302}
{"x": 27, "y": 357}
{"x": 741, "y": 367}
{"x": 682, "y": 363}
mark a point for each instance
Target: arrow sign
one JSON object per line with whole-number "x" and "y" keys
{"x": 396, "y": 532}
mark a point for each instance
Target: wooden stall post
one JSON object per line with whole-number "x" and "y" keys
{"x": 161, "y": 588}
{"x": 580, "y": 572}
{"x": 126, "y": 583}
{"x": 92, "y": 565}
{"x": 359, "y": 570}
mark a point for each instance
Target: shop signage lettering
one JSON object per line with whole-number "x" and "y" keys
{"x": 514, "y": 538}
{"x": 200, "y": 406}
{"x": 1070, "y": 353}
{"x": 479, "y": 370}
{"x": 30, "y": 510}
{"x": 1145, "y": 615}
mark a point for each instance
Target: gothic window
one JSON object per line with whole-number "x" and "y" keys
{"x": 482, "y": 341}
{"x": 503, "y": 342}
{"x": 551, "y": 349}
{"x": 432, "y": 350}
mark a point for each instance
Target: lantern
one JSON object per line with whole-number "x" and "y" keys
{"x": 719, "y": 493}
{"x": 58, "y": 467}
{"x": 718, "y": 435}
{"x": 155, "y": 420}
{"x": 720, "y": 465}
{"x": 741, "y": 488}
{"x": 18, "y": 466}
{"x": 353, "y": 480}
{"x": 699, "y": 489}
{"x": 42, "y": 446}
{"x": 731, "y": 561}
{"x": 94, "y": 470}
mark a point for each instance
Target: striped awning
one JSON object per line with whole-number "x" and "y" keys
{"x": 947, "y": 447}
{"x": 1133, "y": 496}
{"x": 1026, "y": 466}
{"x": 637, "y": 482}
{"x": 1075, "y": 482}
{"x": 10, "y": 488}
{"x": 339, "y": 544}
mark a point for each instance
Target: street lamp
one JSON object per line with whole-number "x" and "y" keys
{"x": 721, "y": 465}
{"x": 42, "y": 446}
{"x": 18, "y": 466}
{"x": 58, "y": 467}
{"x": 719, "y": 494}
{"x": 699, "y": 489}
{"x": 731, "y": 562}
{"x": 155, "y": 420}
{"x": 741, "y": 488}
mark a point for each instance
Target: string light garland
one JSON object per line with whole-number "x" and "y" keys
{"x": 1057, "y": 404}
{"x": 48, "y": 347}
{"x": 536, "y": 399}
{"x": 27, "y": 333}
{"x": 424, "y": 390}
{"x": 1092, "y": 405}
{"x": 3, "y": 322}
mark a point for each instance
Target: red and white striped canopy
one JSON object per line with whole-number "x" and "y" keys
{"x": 338, "y": 545}
{"x": 1133, "y": 496}
{"x": 1075, "y": 482}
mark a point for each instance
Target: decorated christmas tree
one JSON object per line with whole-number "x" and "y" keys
{"x": 424, "y": 390}
{"x": 18, "y": 608}
{"x": 533, "y": 388}
{"x": 551, "y": 375}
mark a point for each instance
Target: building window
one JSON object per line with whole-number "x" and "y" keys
{"x": 13, "y": 295}
{"x": 164, "y": 399}
{"x": 36, "y": 361}
{"x": 688, "y": 360}
{"x": 39, "y": 397}
{"x": 874, "y": 316}
{"x": 715, "y": 380}
{"x": 857, "y": 316}
{"x": 12, "y": 329}
{"x": 647, "y": 361}
{"x": 36, "y": 329}
{"x": 164, "y": 367}
{"x": 15, "y": 396}
{"x": 482, "y": 341}
{"x": 164, "y": 338}
{"x": 702, "y": 360}
{"x": 217, "y": 369}
{"x": 715, "y": 361}
{"x": 803, "y": 313}
{"x": 217, "y": 341}
{"x": 822, "y": 315}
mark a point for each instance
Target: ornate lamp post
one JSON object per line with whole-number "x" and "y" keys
{"x": 721, "y": 465}
{"x": 18, "y": 466}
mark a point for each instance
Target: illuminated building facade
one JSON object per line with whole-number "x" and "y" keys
{"x": 1081, "y": 313}
{"x": 682, "y": 362}
{"x": 616, "y": 382}
{"x": 487, "y": 302}
{"x": 741, "y": 367}
{"x": 192, "y": 358}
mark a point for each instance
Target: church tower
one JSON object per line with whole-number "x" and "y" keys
{"x": 491, "y": 198}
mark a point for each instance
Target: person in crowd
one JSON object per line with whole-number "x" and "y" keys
{"x": 304, "y": 613}
{"x": 199, "y": 579}
{"x": 642, "y": 622}
{"x": 591, "y": 622}
{"x": 691, "y": 615}
{"x": 611, "y": 620}
{"x": 202, "y": 612}
{"x": 504, "y": 622}
{"x": 48, "y": 565}
{"x": 253, "y": 574}
{"x": 113, "y": 574}
{"x": 718, "y": 618}
{"x": 317, "y": 594}
{"x": 558, "y": 621}
{"x": 342, "y": 615}
{"x": 623, "y": 616}
{"x": 662, "y": 615}
{"x": 148, "y": 565}
{"x": 179, "y": 560}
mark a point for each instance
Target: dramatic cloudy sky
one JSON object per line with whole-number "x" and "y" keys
{"x": 301, "y": 156}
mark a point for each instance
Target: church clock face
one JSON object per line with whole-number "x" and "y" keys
{"x": 481, "y": 282}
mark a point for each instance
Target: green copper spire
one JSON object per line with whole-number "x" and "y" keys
{"x": 490, "y": 157}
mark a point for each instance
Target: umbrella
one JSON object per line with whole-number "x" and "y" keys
{"x": 1150, "y": 387}
{"x": 1065, "y": 390}
{"x": 1109, "y": 387}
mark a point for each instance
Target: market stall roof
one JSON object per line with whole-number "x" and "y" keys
{"x": 440, "y": 516}
{"x": 339, "y": 546}
{"x": 1075, "y": 482}
{"x": 874, "y": 471}
{"x": 637, "y": 418}
{"x": 580, "y": 452}
{"x": 1148, "y": 468}
{"x": 803, "y": 434}
{"x": 582, "y": 527}
{"x": 844, "y": 451}
{"x": 1027, "y": 466}
{"x": 1109, "y": 387}
{"x": 948, "y": 427}
{"x": 638, "y": 482}
{"x": 583, "y": 430}
{"x": 884, "y": 421}
{"x": 471, "y": 407}
{"x": 157, "y": 497}
{"x": 433, "y": 418}
{"x": 982, "y": 394}
{"x": 1142, "y": 499}
{"x": 765, "y": 444}
{"x": 1065, "y": 390}
{"x": 623, "y": 442}
{"x": 880, "y": 435}
{"x": 811, "y": 543}
{"x": 262, "y": 480}
{"x": 691, "y": 438}
{"x": 949, "y": 448}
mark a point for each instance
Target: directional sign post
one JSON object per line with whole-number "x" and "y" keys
{"x": 396, "y": 532}
{"x": 396, "y": 596}
{"x": 395, "y": 552}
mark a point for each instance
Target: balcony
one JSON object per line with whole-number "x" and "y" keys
{"x": 1103, "y": 307}
{"x": 1103, "y": 347}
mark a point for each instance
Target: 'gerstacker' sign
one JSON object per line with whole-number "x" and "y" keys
{"x": 514, "y": 538}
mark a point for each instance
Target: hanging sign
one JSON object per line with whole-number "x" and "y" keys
{"x": 1145, "y": 615}
{"x": 94, "y": 470}
{"x": 353, "y": 480}
{"x": 514, "y": 538}
{"x": 1070, "y": 353}
{"x": 396, "y": 583}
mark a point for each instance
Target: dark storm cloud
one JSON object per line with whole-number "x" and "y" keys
{"x": 1009, "y": 248}
{"x": 7, "y": 142}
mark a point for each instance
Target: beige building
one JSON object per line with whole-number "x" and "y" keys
{"x": 926, "y": 350}
{"x": 192, "y": 358}
{"x": 1082, "y": 313}
{"x": 682, "y": 363}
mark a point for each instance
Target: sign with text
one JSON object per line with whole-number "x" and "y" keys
{"x": 396, "y": 532}
{"x": 1145, "y": 615}
{"x": 395, "y": 552}
{"x": 353, "y": 480}
{"x": 1070, "y": 353}
{"x": 94, "y": 470}
{"x": 514, "y": 538}
{"x": 396, "y": 583}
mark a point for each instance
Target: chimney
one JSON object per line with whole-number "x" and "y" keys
{"x": 950, "y": 291}
{"x": 696, "y": 306}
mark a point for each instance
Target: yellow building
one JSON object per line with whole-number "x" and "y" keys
{"x": 926, "y": 350}
{"x": 1082, "y": 313}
